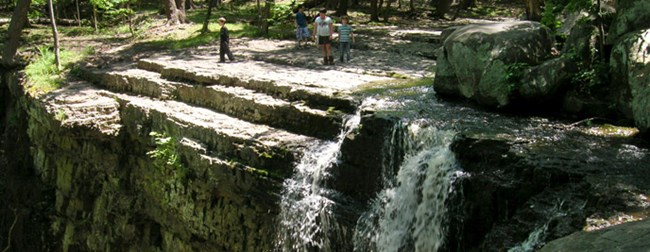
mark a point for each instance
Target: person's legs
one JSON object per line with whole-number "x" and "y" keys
{"x": 222, "y": 52}
{"x": 322, "y": 42}
{"x": 341, "y": 50}
{"x": 347, "y": 50}
{"x": 298, "y": 35}
{"x": 229, "y": 53}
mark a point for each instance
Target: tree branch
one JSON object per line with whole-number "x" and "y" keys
{"x": 11, "y": 229}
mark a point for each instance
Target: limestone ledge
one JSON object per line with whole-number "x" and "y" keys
{"x": 110, "y": 197}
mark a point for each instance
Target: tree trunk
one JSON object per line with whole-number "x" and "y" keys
{"x": 189, "y": 4}
{"x": 387, "y": 10}
{"x": 374, "y": 10}
{"x": 259, "y": 13}
{"x": 266, "y": 14}
{"x": 442, "y": 7}
{"x": 175, "y": 10}
{"x": 78, "y": 13}
{"x": 601, "y": 32}
{"x": 343, "y": 8}
{"x": 534, "y": 9}
{"x": 18, "y": 21}
{"x": 95, "y": 18}
{"x": 331, "y": 4}
{"x": 180, "y": 8}
{"x": 206, "y": 22}
{"x": 412, "y": 6}
{"x": 56, "y": 36}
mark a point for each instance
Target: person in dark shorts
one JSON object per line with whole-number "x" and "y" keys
{"x": 323, "y": 30}
{"x": 224, "y": 42}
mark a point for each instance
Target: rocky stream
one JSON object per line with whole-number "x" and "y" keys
{"x": 275, "y": 152}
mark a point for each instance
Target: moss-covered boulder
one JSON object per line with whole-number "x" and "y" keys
{"x": 631, "y": 15}
{"x": 630, "y": 66}
{"x": 545, "y": 81}
{"x": 582, "y": 42}
{"x": 474, "y": 61}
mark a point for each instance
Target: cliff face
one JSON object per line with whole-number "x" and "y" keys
{"x": 111, "y": 195}
{"x": 138, "y": 161}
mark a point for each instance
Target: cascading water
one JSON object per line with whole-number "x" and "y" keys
{"x": 409, "y": 213}
{"x": 306, "y": 219}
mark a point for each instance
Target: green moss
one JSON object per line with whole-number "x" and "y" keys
{"x": 382, "y": 87}
{"x": 265, "y": 173}
{"x": 608, "y": 130}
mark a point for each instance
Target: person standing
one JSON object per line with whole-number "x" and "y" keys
{"x": 302, "y": 32}
{"x": 224, "y": 42}
{"x": 346, "y": 37}
{"x": 324, "y": 28}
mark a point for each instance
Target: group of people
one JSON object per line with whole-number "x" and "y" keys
{"x": 323, "y": 33}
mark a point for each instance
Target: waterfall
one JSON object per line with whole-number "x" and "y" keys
{"x": 537, "y": 236}
{"x": 306, "y": 221}
{"x": 409, "y": 213}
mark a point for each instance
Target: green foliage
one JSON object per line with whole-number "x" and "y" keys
{"x": 570, "y": 5}
{"x": 42, "y": 75}
{"x": 514, "y": 74}
{"x": 549, "y": 16}
{"x": 37, "y": 9}
{"x": 108, "y": 5}
{"x": 60, "y": 115}
{"x": 282, "y": 12}
{"x": 165, "y": 157}
{"x": 591, "y": 78}
{"x": 576, "y": 5}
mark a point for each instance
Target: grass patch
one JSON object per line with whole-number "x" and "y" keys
{"x": 192, "y": 37}
{"x": 42, "y": 75}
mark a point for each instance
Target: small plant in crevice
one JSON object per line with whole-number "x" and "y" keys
{"x": 60, "y": 115}
{"x": 590, "y": 78}
{"x": 165, "y": 157}
{"x": 514, "y": 74}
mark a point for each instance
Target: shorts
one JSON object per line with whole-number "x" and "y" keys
{"x": 302, "y": 33}
{"x": 324, "y": 40}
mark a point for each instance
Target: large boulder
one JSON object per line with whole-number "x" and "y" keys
{"x": 543, "y": 82}
{"x": 630, "y": 66}
{"x": 631, "y": 15}
{"x": 632, "y": 236}
{"x": 474, "y": 61}
{"x": 581, "y": 43}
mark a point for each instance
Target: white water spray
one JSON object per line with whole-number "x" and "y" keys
{"x": 306, "y": 219}
{"x": 408, "y": 215}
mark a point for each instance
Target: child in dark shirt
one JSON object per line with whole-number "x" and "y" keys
{"x": 224, "y": 42}
{"x": 302, "y": 32}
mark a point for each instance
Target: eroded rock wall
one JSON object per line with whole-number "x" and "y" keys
{"x": 109, "y": 195}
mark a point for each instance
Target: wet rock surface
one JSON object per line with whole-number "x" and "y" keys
{"x": 540, "y": 180}
{"x": 631, "y": 236}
